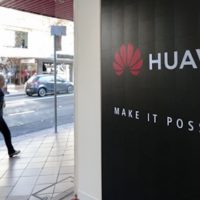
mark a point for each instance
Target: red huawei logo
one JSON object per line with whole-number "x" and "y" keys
{"x": 127, "y": 57}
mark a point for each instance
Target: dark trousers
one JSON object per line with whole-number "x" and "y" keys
{"x": 6, "y": 134}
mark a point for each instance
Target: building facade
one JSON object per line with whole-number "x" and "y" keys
{"x": 26, "y": 46}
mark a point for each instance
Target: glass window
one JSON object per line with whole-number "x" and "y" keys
{"x": 21, "y": 39}
{"x": 46, "y": 79}
{"x": 59, "y": 79}
{"x": 12, "y": 38}
{"x": 33, "y": 78}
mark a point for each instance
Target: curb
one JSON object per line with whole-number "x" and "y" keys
{"x": 15, "y": 95}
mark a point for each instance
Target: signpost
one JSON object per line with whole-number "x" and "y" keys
{"x": 57, "y": 32}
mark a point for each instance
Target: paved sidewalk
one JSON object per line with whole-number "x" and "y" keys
{"x": 15, "y": 90}
{"x": 44, "y": 169}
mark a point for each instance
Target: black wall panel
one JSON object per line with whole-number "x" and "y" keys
{"x": 143, "y": 159}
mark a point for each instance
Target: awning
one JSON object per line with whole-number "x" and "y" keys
{"x": 62, "y": 9}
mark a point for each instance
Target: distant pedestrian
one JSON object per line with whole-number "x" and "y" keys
{"x": 3, "y": 126}
{"x": 75, "y": 197}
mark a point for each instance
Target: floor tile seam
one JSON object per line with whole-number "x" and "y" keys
{"x": 33, "y": 186}
{"x": 32, "y": 192}
{"x": 59, "y": 172}
{"x": 3, "y": 174}
{"x": 17, "y": 138}
{"x": 44, "y": 190}
{"x": 51, "y": 185}
{"x": 17, "y": 183}
{"x": 57, "y": 179}
{"x": 20, "y": 194}
{"x": 7, "y": 193}
{"x": 21, "y": 176}
{"x": 36, "y": 151}
{"x": 43, "y": 166}
{"x": 12, "y": 187}
{"x": 31, "y": 168}
{"x": 35, "y": 136}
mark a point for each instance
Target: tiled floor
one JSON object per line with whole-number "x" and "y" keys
{"x": 44, "y": 169}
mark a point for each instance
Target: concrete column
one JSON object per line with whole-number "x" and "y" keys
{"x": 87, "y": 99}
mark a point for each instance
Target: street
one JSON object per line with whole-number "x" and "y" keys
{"x": 25, "y": 114}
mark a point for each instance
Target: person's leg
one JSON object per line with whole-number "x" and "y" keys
{"x": 7, "y": 136}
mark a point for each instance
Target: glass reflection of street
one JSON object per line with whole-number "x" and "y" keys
{"x": 28, "y": 114}
{"x": 45, "y": 167}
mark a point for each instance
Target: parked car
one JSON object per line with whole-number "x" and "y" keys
{"x": 44, "y": 84}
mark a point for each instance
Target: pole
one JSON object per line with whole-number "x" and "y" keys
{"x": 56, "y": 31}
{"x": 55, "y": 86}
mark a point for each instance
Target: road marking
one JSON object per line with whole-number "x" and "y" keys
{"x": 14, "y": 104}
{"x": 21, "y": 113}
{"x": 58, "y": 96}
{"x": 36, "y": 98}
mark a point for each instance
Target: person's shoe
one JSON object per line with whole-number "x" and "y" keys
{"x": 15, "y": 153}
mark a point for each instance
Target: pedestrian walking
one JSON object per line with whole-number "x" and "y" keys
{"x": 3, "y": 126}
